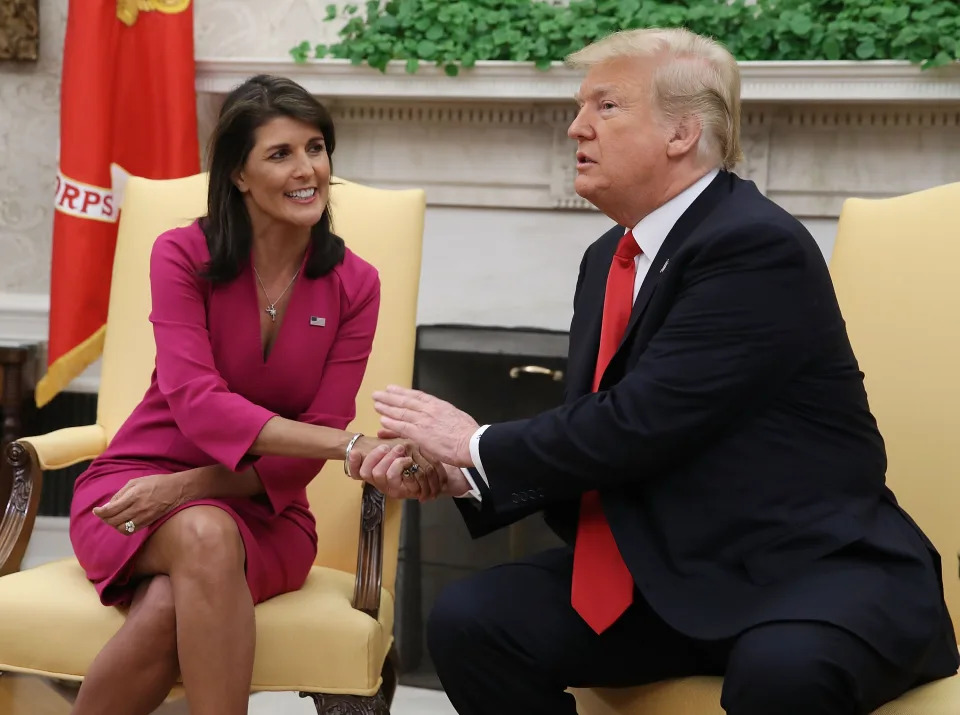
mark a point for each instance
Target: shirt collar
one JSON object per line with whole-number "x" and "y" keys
{"x": 652, "y": 230}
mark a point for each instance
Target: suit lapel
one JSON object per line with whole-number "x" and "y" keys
{"x": 685, "y": 225}
{"x": 585, "y": 342}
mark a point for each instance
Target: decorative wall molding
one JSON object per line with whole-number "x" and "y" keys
{"x": 814, "y": 81}
{"x": 491, "y": 150}
{"x": 808, "y": 157}
{"x": 874, "y": 117}
{"x": 818, "y": 156}
{"x": 814, "y": 133}
{"x": 25, "y": 317}
{"x": 437, "y": 113}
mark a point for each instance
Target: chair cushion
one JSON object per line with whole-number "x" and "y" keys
{"x": 684, "y": 696}
{"x": 701, "y": 696}
{"x": 311, "y": 640}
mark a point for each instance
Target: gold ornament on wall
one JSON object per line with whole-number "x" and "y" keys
{"x": 129, "y": 10}
{"x": 19, "y": 30}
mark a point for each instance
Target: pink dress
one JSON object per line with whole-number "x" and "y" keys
{"x": 210, "y": 395}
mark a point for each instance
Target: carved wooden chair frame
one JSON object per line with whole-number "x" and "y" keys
{"x": 21, "y": 481}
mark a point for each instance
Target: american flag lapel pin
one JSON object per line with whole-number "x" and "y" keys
{"x": 317, "y": 321}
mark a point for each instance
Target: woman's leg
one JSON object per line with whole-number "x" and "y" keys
{"x": 137, "y": 668}
{"x": 201, "y": 550}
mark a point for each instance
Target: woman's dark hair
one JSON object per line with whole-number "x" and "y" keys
{"x": 227, "y": 223}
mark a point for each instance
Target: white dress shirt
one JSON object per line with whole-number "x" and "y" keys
{"x": 649, "y": 234}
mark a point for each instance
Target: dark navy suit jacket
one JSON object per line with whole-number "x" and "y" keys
{"x": 739, "y": 465}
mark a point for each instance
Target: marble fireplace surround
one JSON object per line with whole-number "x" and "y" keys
{"x": 491, "y": 150}
{"x": 814, "y": 133}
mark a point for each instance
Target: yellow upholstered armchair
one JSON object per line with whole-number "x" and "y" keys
{"x": 331, "y": 639}
{"x": 895, "y": 271}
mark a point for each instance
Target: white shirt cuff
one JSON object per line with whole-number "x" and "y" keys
{"x": 475, "y": 454}
{"x": 473, "y": 491}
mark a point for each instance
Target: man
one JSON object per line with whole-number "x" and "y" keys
{"x": 715, "y": 468}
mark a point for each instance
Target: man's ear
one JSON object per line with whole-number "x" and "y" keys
{"x": 686, "y": 136}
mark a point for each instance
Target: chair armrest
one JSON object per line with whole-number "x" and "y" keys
{"x": 64, "y": 447}
{"x": 21, "y": 482}
{"x": 366, "y": 590}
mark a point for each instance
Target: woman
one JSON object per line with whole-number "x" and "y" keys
{"x": 197, "y": 510}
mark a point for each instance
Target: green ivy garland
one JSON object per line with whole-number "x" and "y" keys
{"x": 457, "y": 33}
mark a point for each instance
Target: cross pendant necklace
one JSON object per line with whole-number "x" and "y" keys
{"x": 271, "y": 308}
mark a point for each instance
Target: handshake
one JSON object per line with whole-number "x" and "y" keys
{"x": 419, "y": 450}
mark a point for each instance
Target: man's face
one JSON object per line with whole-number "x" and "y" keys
{"x": 621, "y": 144}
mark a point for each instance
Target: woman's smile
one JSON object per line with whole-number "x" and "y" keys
{"x": 303, "y": 196}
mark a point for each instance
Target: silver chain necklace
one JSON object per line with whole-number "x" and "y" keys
{"x": 271, "y": 308}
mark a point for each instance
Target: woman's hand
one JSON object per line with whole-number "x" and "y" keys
{"x": 142, "y": 501}
{"x": 399, "y": 469}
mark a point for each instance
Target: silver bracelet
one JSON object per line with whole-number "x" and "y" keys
{"x": 346, "y": 456}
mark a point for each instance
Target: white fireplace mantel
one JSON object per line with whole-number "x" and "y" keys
{"x": 491, "y": 150}
{"x": 814, "y": 81}
{"x": 813, "y": 133}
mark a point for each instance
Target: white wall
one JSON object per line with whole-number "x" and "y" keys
{"x": 29, "y": 131}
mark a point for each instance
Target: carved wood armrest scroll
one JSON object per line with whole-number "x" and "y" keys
{"x": 366, "y": 592}
{"x": 21, "y": 480}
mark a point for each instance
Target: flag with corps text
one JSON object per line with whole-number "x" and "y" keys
{"x": 127, "y": 107}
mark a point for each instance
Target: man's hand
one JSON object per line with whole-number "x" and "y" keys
{"x": 422, "y": 476}
{"x": 142, "y": 500}
{"x": 384, "y": 468}
{"x": 438, "y": 427}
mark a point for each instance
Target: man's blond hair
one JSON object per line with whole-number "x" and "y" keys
{"x": 699, "y": 77}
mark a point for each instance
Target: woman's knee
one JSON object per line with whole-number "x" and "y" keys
{"x": 207, "y": 542}
{"x": 153, "y": 607}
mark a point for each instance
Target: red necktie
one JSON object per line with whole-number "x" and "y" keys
{"x": 602, "y": 585}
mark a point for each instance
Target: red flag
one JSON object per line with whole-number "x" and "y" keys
{"x": 127, "y": 106}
